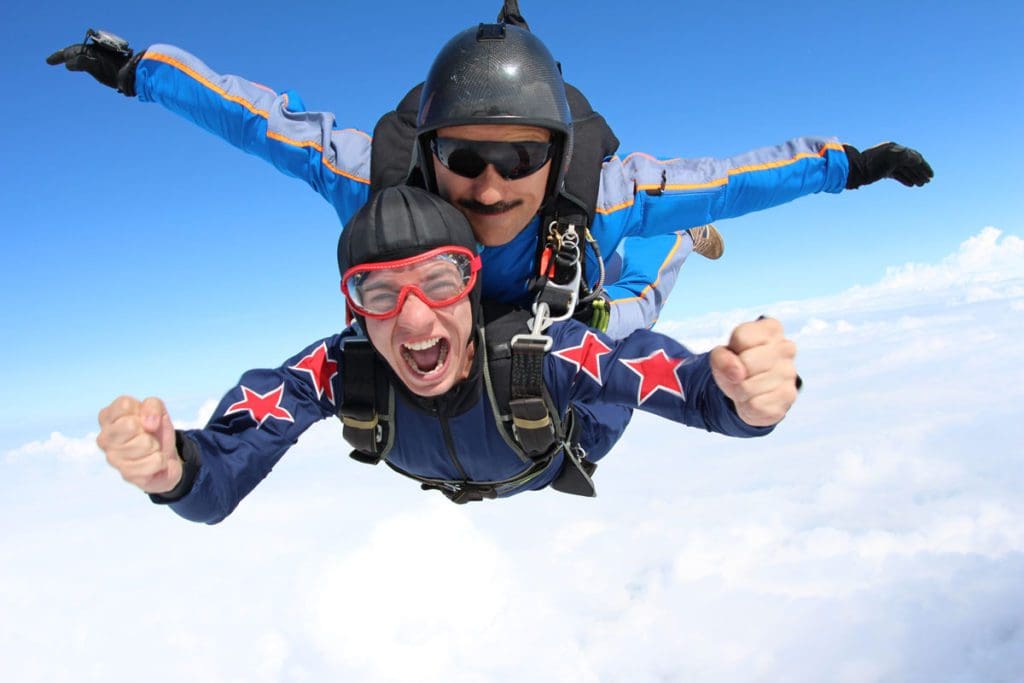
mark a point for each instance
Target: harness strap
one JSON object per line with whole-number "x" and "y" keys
{"x": 463, "y": 495}
{"x": 575, "y": 477}
{"x": 358, "y": 409}
{"x": 532, "y": 426}
{"x": 462, "y": 492}
{"x": 576, "y": 202}
{"x": 359, "y": 424}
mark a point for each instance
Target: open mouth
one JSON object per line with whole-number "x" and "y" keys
{"x": 427, "y": 356}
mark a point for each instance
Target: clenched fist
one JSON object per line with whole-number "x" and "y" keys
{"x": 756, "y": 371}
{"x": 138, "y": 438}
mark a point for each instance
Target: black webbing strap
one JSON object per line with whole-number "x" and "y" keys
{"x": 464, "y": 494}
{"x": 575, "y": 477}
{"x": 531, "y": 422}
{"x": 358, "y": 409}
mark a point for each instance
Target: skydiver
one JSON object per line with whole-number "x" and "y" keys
{"x": 446, "y": 401}
{"x": 498, "y": 147}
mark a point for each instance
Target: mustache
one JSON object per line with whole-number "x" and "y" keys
{"x": 488, "y": 209}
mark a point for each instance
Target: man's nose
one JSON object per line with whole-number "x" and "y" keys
{"x": 488, "y": 187}
{"x": 415, "y": 314}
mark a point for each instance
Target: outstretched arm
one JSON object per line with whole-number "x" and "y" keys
{"x": 249, "y": 116}
{"x": 743, "y": 388}
{"x": 203, "y": 474}
{"x": 644, "y": 202}
{"x": 642, "y": 195}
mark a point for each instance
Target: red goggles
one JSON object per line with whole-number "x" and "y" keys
{"x": 439, "y": 278}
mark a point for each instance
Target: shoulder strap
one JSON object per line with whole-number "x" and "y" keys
{"x": 572, "y": 212}
{"x": 515, "y": 366}
{"x": 593, "y": 142}
{"x": 365, "y": 407}
{"x": 515, "y": 382}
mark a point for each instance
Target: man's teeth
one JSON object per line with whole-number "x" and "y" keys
{"x": 423, "y": 345}
{"x": 410, "y": 351}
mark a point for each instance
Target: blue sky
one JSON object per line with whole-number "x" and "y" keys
{"x": 129, "y": 231}
{"x": 143, "y": 256}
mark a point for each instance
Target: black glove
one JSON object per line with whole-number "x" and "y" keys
{"x": 887, "y": 160}
{"x": 113, "y": 67}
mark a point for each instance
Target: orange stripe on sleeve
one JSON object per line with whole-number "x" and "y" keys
{"x": 642, "y": 294}
{"x": 319, "y": 148}
{"x": 718, "y": 182}
{"x": 156, "y": 56}
{"x": 613, "y": 209}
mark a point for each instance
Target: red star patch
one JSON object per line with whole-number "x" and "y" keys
{"x": 321, "y": 369}
{"x": 656, "y": 371}
{"x": 261, "y": 406}
{"x": 586, "y": 356}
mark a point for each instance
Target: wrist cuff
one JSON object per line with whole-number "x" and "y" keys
{"x": 126, "y": 75}
{"x": 189, "y": 454}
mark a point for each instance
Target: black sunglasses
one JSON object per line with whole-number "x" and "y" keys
{"x": 512, "y": 160}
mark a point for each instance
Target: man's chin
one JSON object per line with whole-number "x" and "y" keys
{"x": 431, "y": 392}
{"x": 494, "y": 230}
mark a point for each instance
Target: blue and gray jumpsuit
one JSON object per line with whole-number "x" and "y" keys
{"x": 643, "y": 203}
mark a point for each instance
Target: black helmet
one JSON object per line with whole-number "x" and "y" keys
{"x": 403, "y": 221}
{"x": 495, "y": 74}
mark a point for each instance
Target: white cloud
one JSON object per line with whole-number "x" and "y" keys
{"x": 59, "y": 447}
{"x": 987, "y": 267}
{"x": 981, "y": 258}
{"x": 201, "y": 418}
{"x": 84, "y": 449}
{"x": 406, "y": 568}
{"x": 877, "y": 535}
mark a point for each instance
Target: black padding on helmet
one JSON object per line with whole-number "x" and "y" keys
{"x": 398, "y": 222}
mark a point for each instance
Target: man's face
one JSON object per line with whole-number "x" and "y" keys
{"x": 497, "y": 208}
{"x": 426, "y": 347}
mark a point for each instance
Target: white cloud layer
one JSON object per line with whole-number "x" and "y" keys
{"x": 82, "y": 449}
{"x": 878, "y": 535}
{"x": 988, "y": 267}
